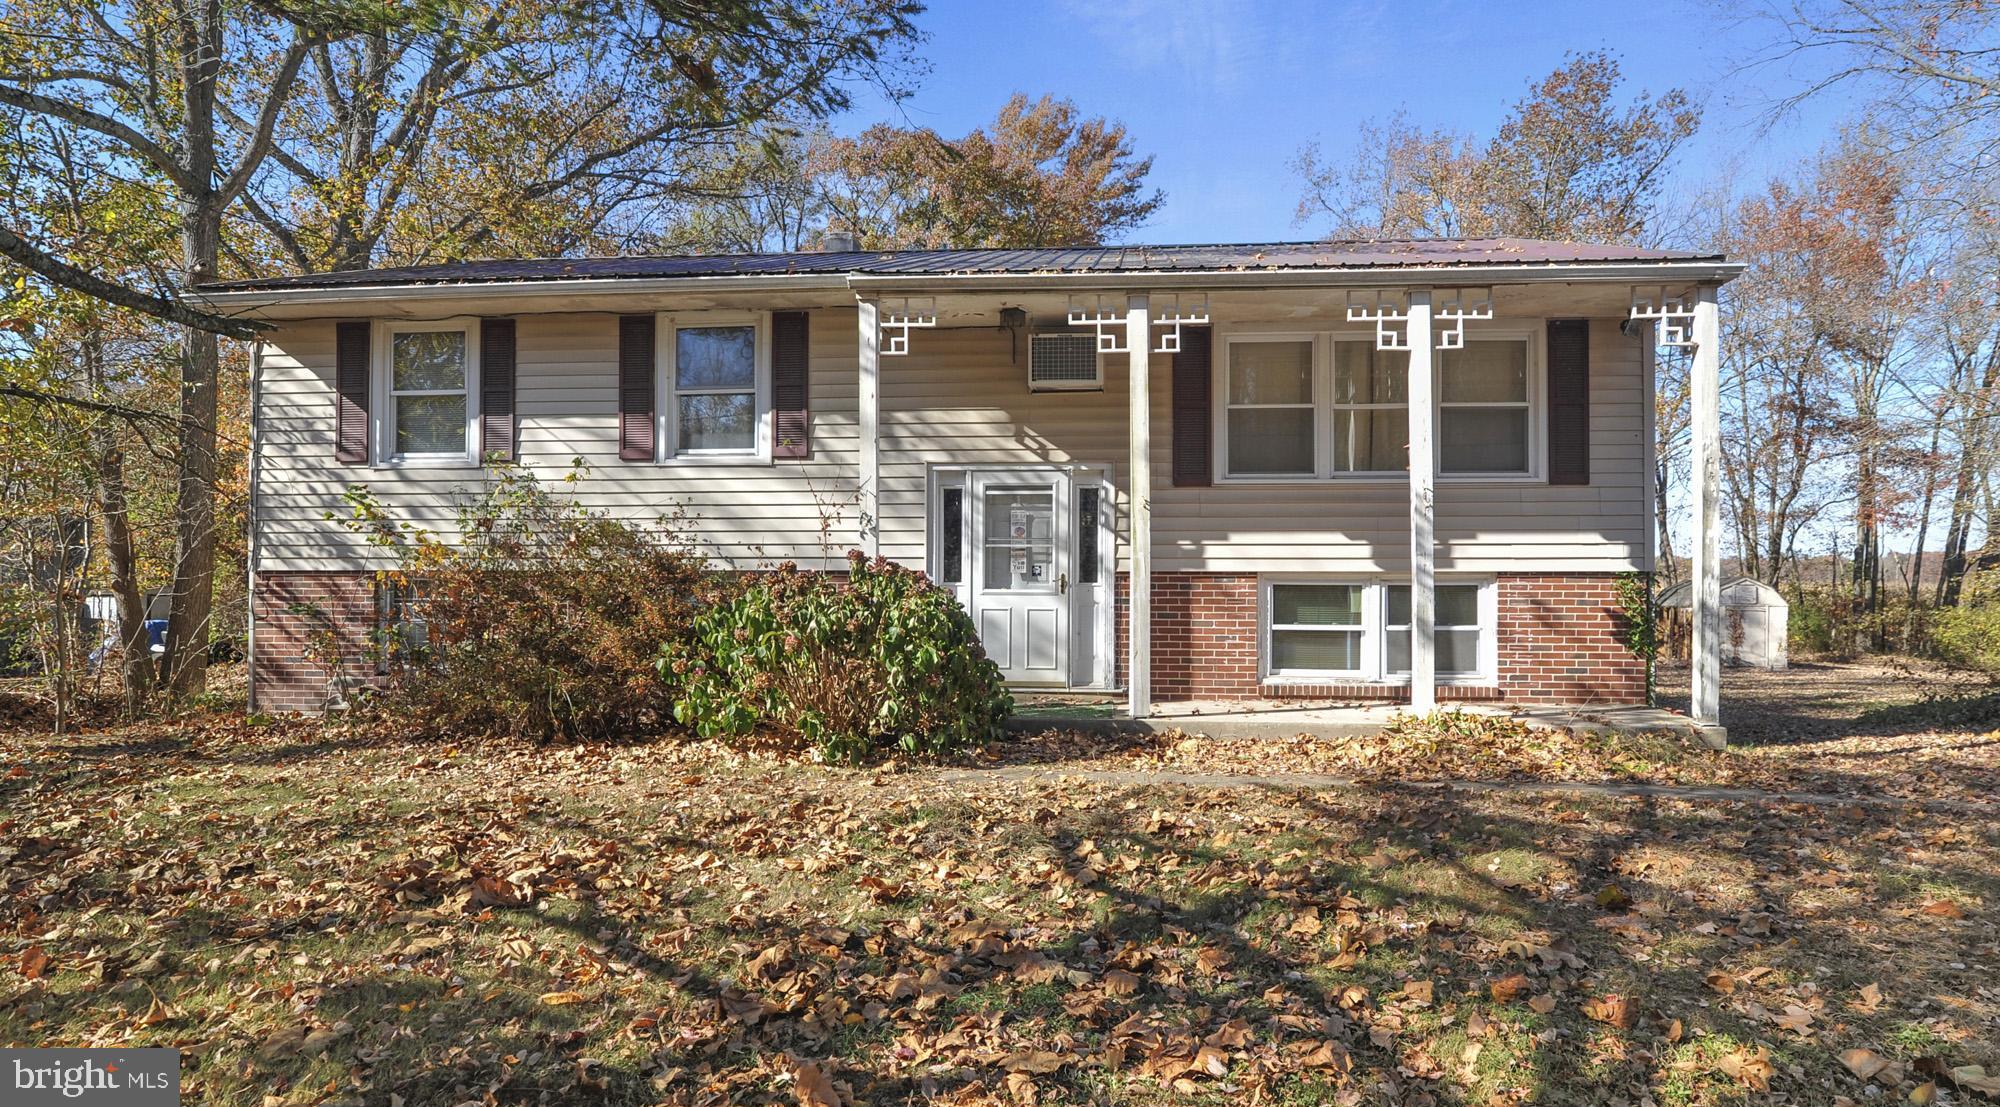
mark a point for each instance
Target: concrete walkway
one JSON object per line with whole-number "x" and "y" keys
{"x": 1325, "y": 781}
{"x": 1275, "y": 719}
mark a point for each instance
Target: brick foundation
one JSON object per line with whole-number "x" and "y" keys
{"x": 283, "y": 677}
{"x": 1561, "y": 641}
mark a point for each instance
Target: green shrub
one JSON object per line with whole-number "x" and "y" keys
{"x": 542, "y": 621}
{"x": 886, "y": 659}
{"x": 1968, "y": 635}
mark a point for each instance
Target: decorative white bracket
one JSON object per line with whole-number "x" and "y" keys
{"x": 1104, "y": 317}
{"x": 1388, "y": 311}
{"x": 1170, "y": 314}
{"x": 1673, "y": 311}
{"x": 899, "y": 318}
{"x": 1453, "y": 307}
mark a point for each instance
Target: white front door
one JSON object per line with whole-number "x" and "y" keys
{"x": 1020, "y": 572}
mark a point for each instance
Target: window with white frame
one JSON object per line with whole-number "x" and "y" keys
{"x": 1457, "y": 641}
{"x": 1356, "y": 630}
{"x": 1332, "y": 406}
{"x": 1270, "y": 400}
{"x": 716, "y": 388}
{"x": 1316, "y": 629}
{"x": 426, "y": 393}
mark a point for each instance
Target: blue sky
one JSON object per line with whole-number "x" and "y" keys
{"x": 1223, "y": 94}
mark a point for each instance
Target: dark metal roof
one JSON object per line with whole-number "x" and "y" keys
{"x": 1246, "y": 257}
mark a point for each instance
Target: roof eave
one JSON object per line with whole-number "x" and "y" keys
{"x": 1698, "y": 271}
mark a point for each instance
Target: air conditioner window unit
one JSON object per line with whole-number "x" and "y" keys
{"x": 1064, "y": 360}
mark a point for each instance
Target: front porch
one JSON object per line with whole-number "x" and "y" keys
{"x": 1370, "y": 541}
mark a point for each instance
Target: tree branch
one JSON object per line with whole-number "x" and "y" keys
{"x": 28, "y": 257}
{"x": 104, "y": 125}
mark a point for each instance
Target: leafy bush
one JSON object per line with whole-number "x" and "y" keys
{"x": 1969, "y": 635}
{"x": 542, "y": 621}
{"x": 885, "y": 659}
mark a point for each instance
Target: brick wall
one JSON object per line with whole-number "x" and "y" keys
{"x": 284, "y": 678}
{"x": 1562, "y": 640}
{"x": 1204, "y": 634}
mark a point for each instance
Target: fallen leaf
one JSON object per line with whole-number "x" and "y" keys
{"x": 813, "y": 1086}
{"x": 1925, "y": 1094}
{"x": 1751, "y": 1068}
{"x": 1542, "y": 1004}
{"x": 1508, "y": 988}
{"x": 1032, "y": 1060}
{"x": 1612, "y": 1010}
{"x": 34, "y": 962}
{"x": 561, "y": 999}
{"x": 1871, "y": 998}
{"x": 1419, "y": 992}
{"x": 1944, "y": 909}
{"x": 1863, "y": 1063}
{"x": 1720, "y": 981}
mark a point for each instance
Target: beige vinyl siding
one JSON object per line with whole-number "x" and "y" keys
{"x": 957, "y": 399}
{"x": 567, "y": 404}
{"x": 1362, "y": 526}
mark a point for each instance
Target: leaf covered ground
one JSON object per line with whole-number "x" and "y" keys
{"x": 331, "y": 914}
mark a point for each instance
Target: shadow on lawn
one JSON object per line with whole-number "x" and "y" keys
{"x": 1216, "y": 871}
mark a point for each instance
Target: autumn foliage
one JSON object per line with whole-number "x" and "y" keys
{"x": 541, "y": 622}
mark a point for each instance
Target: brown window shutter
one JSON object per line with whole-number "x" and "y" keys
{"x": 350, "y": 386}
{"x": 496, "y": 389}
{"x": 1194, "y": 465}
{"x": 791, "y": 404}
{"x": 1569, "y": 401}
{"x": 635, "y": 387}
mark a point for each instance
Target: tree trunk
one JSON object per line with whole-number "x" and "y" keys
{"x": 113, "y": 505}
{"x": 201, "y": 31}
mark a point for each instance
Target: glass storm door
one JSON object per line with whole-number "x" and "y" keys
{"x": 1021, "y": 573}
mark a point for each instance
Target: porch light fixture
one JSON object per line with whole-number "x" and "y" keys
{"x": 1171, "y": 313}
{"x": 1673, "y": 311}
{"x": 900, "y": 317}
{"x": 1106, "y": 318}
{"x": 1390, "y": 313}
{"x": 1454, "y": 307}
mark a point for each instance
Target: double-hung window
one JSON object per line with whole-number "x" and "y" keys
{"x": 427, "y": 393}
{"x": 1271, "y": 403}
{"x": 715, "y": 398}
{"x": 1360, "y": 631}
{"x": 1331, "y": 406}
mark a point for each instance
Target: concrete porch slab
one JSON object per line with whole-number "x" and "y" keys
{"x": 1277, "y": 719}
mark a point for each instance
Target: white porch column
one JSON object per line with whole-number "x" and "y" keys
{"x": 868, "y": 481}
{"x": 1139, "y": 641}
{"x": 1423, "y": 478}
{"x": 1704, "y": 390}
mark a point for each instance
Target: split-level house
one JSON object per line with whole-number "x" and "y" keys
{"x": 1411, "y": 471}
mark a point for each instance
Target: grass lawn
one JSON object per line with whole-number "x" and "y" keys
{"x": 318, "y": 914}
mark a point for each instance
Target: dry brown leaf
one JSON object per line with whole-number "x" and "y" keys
{"x": 1751, "y": 1068}
{"x": 1419, "y": 992}
{"x": 1612, "y": 1010}
{"x": 1542, "y": 1004}
{"x": 1032, "y": 1060}
{"x": 1944, "y": 909}
{"x": 1863, "y": 1063}
{"x": 1508, "y": 988}
{"x": 1871, "y": 998}
{"x": 814, "y": 1087}
{"x": 1720, "y": 981}
{"x": 1924, "y": 1094}
{"x": 1118, "y": 982}
{"x": 562, "y": 999}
